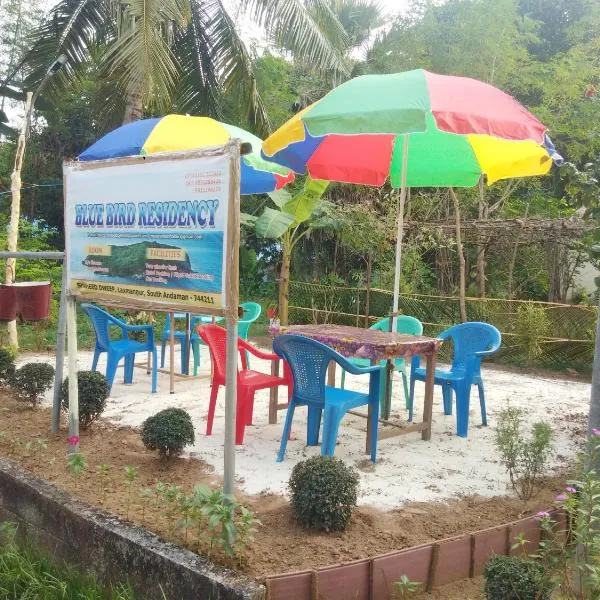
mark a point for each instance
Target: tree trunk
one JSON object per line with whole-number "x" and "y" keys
{"x": 461, "y": 260}
{"x": 483, "y": 210}
{"x": 15, "y": 213}
{"x": 368, "y": 291}
{"x": 284, "y": 278}
{"x": 134, "y": 109}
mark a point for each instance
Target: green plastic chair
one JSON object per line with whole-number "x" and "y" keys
{"x": 404, "y": 324}
{"x": 252, "y": 311}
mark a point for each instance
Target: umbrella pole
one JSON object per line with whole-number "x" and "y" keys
{"x": 400, "y": 232}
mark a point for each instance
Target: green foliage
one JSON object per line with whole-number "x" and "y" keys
{"x": 93, "y": 391}
{"x": 31, "y": 381}
{"x": 531, "y": 327}
{"x": 27, "y": 572}
{"x": 7, "y": 365}
{"x": 514, "y": 578}
{"x": 76, "y": 463}
{"x": 405, "y": 588}
{"x": 524, "y": 458}
{"x": 210, "y": 515}
{"x": 323, "y": 493}
{"x": 570, "y": 555}
{"x": 168, "y": 431}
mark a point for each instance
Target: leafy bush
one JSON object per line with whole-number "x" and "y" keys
{"x": 7, "y": 365}
{"x": 31, "y": 381}
{"x": 515, "y": 578}
{"x": 93, "y": 391}
{"x": 524, "y": 459}
{"x": 323, "y": 493}
{"x": 168, "y": 431}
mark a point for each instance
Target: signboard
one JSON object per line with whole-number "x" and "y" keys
{"x": 151, "y": 232}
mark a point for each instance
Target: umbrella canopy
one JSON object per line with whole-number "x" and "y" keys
{"x": 179, "y": 132}
{"x": 460, "y": 129}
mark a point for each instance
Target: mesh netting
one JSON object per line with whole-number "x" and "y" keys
{"x": 542, "y": 334}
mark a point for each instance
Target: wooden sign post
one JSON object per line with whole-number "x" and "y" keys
{"x": 158, "y": 233}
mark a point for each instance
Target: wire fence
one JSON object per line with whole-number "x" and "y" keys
{"x": 534, "y": 334}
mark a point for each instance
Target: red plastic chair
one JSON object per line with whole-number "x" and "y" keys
{"x": 248, "y": 381}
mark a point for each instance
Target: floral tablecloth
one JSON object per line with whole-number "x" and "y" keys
{"x": 356, "y": 342}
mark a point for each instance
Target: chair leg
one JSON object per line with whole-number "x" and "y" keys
{"x": 111, "y": 367}
{"x": 154, "y": 371}
{"x": 463, "y": 393}
{"x": 331, "y": 424}
{"x": 162, "y": 354}
{"x": 211, "y": 408}
{"x": 343, "y": 379}
{"x": 241, "y": 414}
{"x": 249, "y": 407}
{"x": 482, "y": 403}
{"x": 96, "y": 357}
{"x": 313, "y": 425}
{"x": 287, "y": 428}
{"x": 129, "y": 363}
{"x": 374, "y": 431}
{"x": 447, "y": 398}
{"x": 405, "y": 386}
{"x": 383, "y": 390}
{"x": 184, "y": 358}
{"x": 196, "y": 352}
{"x": 411, "y": 399}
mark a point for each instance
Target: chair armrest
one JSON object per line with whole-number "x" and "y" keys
{"x": 353, "y": 369}
{"x": 243, "y": 344}
{"x": 136, "y": 327}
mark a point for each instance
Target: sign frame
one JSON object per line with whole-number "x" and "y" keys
{"x": 232, "y": 149}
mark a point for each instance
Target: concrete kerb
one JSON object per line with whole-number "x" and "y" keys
{"x": 114, "y": 549}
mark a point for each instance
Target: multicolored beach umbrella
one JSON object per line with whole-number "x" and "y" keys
{"x": 458, "y": 129}
{"x": 180, "y": 132}
{"x": 418, "y": 129}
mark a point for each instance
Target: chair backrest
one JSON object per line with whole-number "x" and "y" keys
{"x": 404, "y": 324}
{"x": 101, "y": 321}
{"x": 468, "y": 338}
{"x": 308, "y": 361}
{"x": 252, "y": 311}
{"x": 215, "y": 338}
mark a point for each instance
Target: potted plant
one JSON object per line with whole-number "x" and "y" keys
{"x": 33, "y": 299}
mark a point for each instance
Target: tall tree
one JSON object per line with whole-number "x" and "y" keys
{"x": 184, "y": 53}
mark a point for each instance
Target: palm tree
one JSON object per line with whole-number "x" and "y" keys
{"x": 183, "y": 54}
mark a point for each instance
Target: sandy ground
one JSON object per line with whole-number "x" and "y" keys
{"x": 407, "y": 469}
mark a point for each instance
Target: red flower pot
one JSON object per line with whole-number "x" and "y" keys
{"x": 33, "y": 299}
{"x": 8, "y": 303}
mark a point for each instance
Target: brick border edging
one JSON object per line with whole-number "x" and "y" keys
{"x": 114, "y": 549}
{"x": 438, "y": 563}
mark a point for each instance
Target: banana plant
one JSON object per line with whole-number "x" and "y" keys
{"x": 287, "y": 222}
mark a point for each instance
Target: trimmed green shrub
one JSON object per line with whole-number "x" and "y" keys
{"x": 323, "y": 493}
{"x": 93, "y": 391}
{"x": 168, "y": 431}
{"x": 515, "y": 578}
{"x": 31, "y": 381}
{"x": 7, "y": 365}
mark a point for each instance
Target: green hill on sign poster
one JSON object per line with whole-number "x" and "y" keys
{"x": 131, "y": 260}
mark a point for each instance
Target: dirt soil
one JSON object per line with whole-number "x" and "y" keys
{"x": 281, "y": 545}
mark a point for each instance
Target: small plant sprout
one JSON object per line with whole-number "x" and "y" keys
{"x": 145, "y": 494}
{"x": 76, "y": 463}
{"x": 405, "y": 588}
{"x": 103, "y": 471}
{"x": 131, "y": 474}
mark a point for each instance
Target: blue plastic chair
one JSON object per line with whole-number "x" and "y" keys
{"x": 472, "y": 342}
{"x": 404, "y": 324}
{"x": 121, "y": 348}
{"x": 308, "y": 361}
